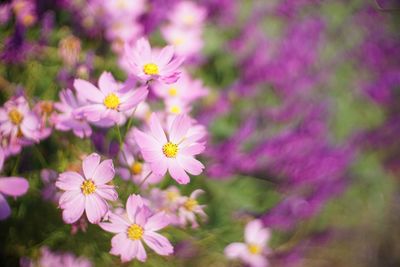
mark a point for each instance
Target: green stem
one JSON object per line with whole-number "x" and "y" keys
{"x": 40, "y": 156}
{"x": 144, "y": 180}
{"x": 14, "y": 171}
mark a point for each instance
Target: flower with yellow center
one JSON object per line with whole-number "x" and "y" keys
{"x": 190, "y": 204}
{"x": 135, "y": 232}
{"x": 15, "y": 116}
{"x": 172, "y": 195}
{"x": 150, "y": 69}
{"x": 173, "y": 91}
{"x": 254, "y": 249}
{"x": 170, "y": 150}
{"x": 111, "y": 101}
{"x": 177, "y": 41}
{"x": 88, "y": 187}
{"x": 175, "y": 109}
{"x": 136, "y": 168}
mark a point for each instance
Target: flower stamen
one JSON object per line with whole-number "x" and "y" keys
{"x": 170, "y": 150}
{"x": 150, "y": 69}
{"x": 88, "y": 187}
{"x": 15, "y": 116}
{"x": 111, "y": 101}
{"x": 135, "y": 232}
{"x": 190, "y": 204}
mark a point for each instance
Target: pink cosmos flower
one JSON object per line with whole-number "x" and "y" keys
{"x": 133, "y": 168}
{"x": 173, "y": 151}
{"x": 187, "y": 14}
{"x": 50, "y": 258}
{"x": 66, "y": 120}
{"x": 253, "y": 252}
{"x": 187, "y": 43}
{"x": 17, "y": 120}
{"x": 151, "y": 65}
{"x": 109, "y": 101}
{"x": 88, "y": 193}
{"x": 189, "y": 208}
{"x": 168, "y": 201}
{"x": 139, "y": 224}
{"x": 185, "y": 89}
{"x": 10, "y": 186}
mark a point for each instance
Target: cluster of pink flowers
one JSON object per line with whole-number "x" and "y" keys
{"x": 162, "y": 143}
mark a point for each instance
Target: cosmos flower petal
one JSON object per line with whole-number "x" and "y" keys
{"x": 107, "y": 192}
{"x": 179, "y": 128}
{"x": 133, "y": 204}
{"x": 90, "y": 164}
{"x": 178, "y": 173}
{"x": 252, "y": 231}
{"x": 141, "y": 253}
{"x": 69, "y": 181}
{"x": 156, "y": 129}
{"x": 13, "y": 186}
{"x": 113, "y": 227}
{"x": 74, "y": 210}
{"x": 104, "y": 172}
{"x": 156, "y": 222}
{"x": 190, "y": 164}
{"x": 88, "y": 91}
{"x": 235, "y": 250}
{"x": 95, "y": 208}
{"x": 146, "y": 141}
{"x": 165, "y": 55}
{"x": 107, "y": 83}
{"x": 158, "y": 243}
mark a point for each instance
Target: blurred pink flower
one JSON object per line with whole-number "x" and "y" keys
{"x": 187, "y": 42}
{"x": 253, "y": 251}
{"x": 88, "y": 193}
{"x": 139, "y": 224}
{"x": 17, "y": 120}
{"x": 150, "y": 65}
{"x": 109, "y": 101}
{"x": 189, "y": 207}
{"x": 66, "y": 120}
{"x": 187, "y": 14}
{"x": 175, "y": 153}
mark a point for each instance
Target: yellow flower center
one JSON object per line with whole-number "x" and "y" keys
{"x": 172, "y": 195}
{"x": 177, "y": 41}
{"x": 47, "y": 107}
{"x": 173, "y": 91}
{"x": 175, "y": 109}
{"x": 111, "y": 101}
{"x": 15, "y": 116}
{"x": 190, "y": 204}
{"x": 254, "y": 249}
{"x": 136, "y": 168}
{"x": 135, "y": 232}
{"x": 170, "y": 150}
{"x": 150, "y": 69}
{"x": 88, "y": 187}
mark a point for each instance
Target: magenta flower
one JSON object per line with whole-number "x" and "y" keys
{"x": 174, "y": 153}
{"x": 139, "y": 225}
{"x": 88, "y": 193}
{"x": 66, "y": 120}
{"x": 253, "y": 252}
{"x": 150, "y": 65}
{"x": 17, "y": 120}
{"x": 109, "y": 101}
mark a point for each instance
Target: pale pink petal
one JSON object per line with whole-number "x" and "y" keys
{"x": 165, "y": 55}
{"x": 258, "y": 260}
{"x": 90, "y": 164}
{"x": 69, "y": 181}
{"x": 5, "y": 210}
{"x": 177, "y": 172}
{"x": 141, "y": 253}
{"x": 252, "y": 231}
{"x": 179, "y": 128}
{"x": 146, "y": 141}
{"x": 113, "y": 227}
{"x": 130, "y": 251}
{"x": 107, "y": 191}
{"x": 190, "y": 164}
{"x": 2, "y": 157}
{"x": 156, "y": 129}
{"x": 134, "y": 99}
{"x": 107, "y": 83}
{"x": 157, "y": 222}
{"x": 75, "y": 209}
{"x": 67, "y": 197}
{"x": 235, "y": 250}
{"x": 104, "y": 172}
{"x": 196, "y": 193}
{"x": 158, "y": 243}
{"x": 192, "y": 149}
{"x": 13, "y": 186}
{"x": 95, "y": 208}
{"x": 88, "y": 91}
{"x": 159, "y": 167}
{"x": 133, "y": 204}
{"x": 119, "y": 243}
